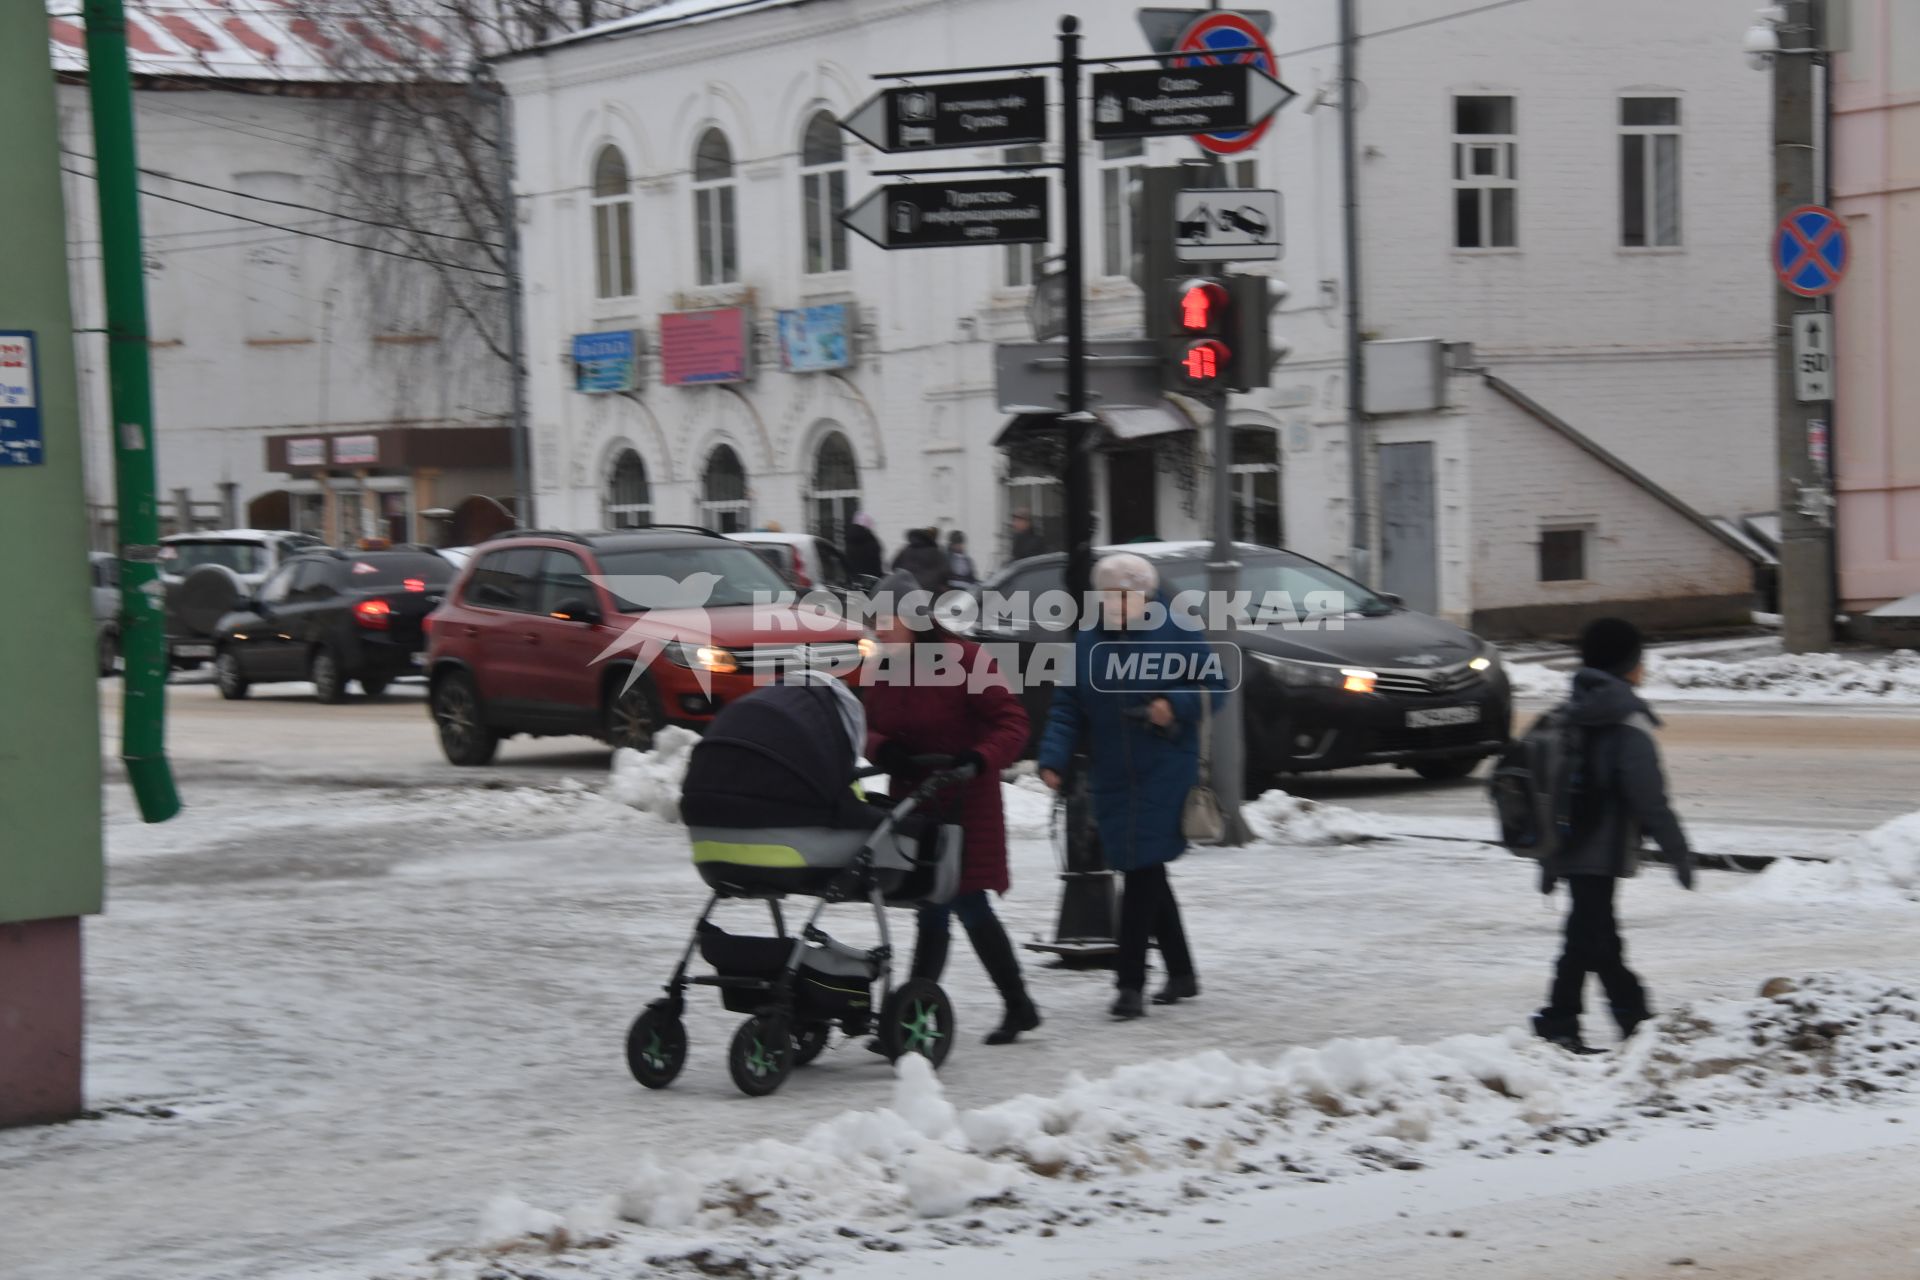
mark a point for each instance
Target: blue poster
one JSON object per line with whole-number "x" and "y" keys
{"x": 814, "y": 339}
{"x": 605, "y": 361}
{"x": 22, "y": 443}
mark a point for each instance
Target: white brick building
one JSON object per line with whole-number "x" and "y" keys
{"x": 1642, "y": 332}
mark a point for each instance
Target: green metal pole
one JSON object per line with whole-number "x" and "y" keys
{"x": 143, "y": 639}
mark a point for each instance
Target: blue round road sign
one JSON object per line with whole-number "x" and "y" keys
{"x": 1810, "y": 251}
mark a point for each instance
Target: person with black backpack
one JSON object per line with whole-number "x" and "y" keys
{"x": 1578, "y": 793}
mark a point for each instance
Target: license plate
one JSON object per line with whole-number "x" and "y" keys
{"x": 193, "y": 651}
{"x": 1434, "y": 717}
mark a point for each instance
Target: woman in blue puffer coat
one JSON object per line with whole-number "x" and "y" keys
{"x": 1135, "y": 699}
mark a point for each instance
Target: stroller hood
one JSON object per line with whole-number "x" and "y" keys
{"x": 782, "y": 756}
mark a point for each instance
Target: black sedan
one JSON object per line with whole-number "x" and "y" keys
{"x": 1333, "y": 675}
{"x": 330, "y": 617}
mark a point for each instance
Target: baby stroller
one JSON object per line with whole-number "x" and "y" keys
{"x": 773, "y": 807}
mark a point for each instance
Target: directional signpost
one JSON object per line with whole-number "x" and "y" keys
{"x": 1199, "y": 100}
{"x": 940, "y": 215}
{"x": 1221, "y": 224}
{"x": 976, "y": 113}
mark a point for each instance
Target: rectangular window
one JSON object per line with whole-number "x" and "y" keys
{"x": 1485, "y": 173}
{"x": 824, "y": 197}
{"x": 1123, "y": 167}
{"x": 1563, "y": 555}
{"x": 1649, "y": 173}
{"x": 1023, "y": 260}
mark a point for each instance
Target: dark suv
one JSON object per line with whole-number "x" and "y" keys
{"x": 522, "y": 643}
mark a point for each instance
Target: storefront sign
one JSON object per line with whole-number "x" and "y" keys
{"x": 22, "y": 440}
{"x": 813, "y": 339}
{"x": 309, "y": 451}
{"x": 355, "y": 450}
{"x": 701, "y": 347}
{"x": 605, "y": 362}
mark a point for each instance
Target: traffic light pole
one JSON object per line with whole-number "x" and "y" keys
{"x": 1229, "y": 770}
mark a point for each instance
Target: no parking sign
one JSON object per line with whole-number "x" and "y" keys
{"x": 1810, "y": 251}
{"x": 1219, "y": 38}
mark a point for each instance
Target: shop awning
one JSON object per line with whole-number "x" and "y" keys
{"x": 1117, "y": 426}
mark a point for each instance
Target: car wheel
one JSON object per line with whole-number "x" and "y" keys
{"x": 1446, "y": 770}
{"x": 633, "y": 715}
{"x": 329, "y": 685}
{"x": 109, "y": 653}
{"x": 464, "y": 736}
{"x": 226, "y": 671}
{"x": 374, "y": 686}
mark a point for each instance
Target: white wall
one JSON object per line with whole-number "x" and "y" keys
{"x": 257, "y": 330}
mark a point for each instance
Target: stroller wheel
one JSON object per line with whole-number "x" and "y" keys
{"x": 761, "y": 1056}
{"x": 656, "y": 1047}
{"x": 917, "y": 1018}
{"x": 809, "y": 1042}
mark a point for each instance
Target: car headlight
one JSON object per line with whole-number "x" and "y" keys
{"x": 1487, "y": 661}
{"x": 1302, "y": 675}
{"x": 705, "y": 656}
{"x": 868, "y": 647}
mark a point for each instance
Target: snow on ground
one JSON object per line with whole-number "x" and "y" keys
{"x": 1879, "y": 868}
{"x": 923, "y": 1174}
{"x": 1819, "y": 678}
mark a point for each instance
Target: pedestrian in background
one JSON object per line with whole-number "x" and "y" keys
{"x": 923, "y": 558}
{"x": 864, "y": 557}
{"x": 1026, "y": 541}
{"x": 961, "y": 570}
{"x": 977, "y": 722}
{"x": 1620, "y": 794}
{"x": 1143, "y": 738}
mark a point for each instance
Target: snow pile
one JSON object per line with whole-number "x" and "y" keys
{"x": 1880, "y": 867}
{"x": 1802, "y": 677}
{"x": 921, "y": 1174}
{"x": 1279, "y": 818}
{"x": 1029, "y": 806}
{"x": 650, "y": 781}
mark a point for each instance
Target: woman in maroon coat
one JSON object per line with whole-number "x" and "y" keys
{"x": 914, "y": 711}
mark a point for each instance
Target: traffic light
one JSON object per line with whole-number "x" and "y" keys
{"x": 1215, "y": 339}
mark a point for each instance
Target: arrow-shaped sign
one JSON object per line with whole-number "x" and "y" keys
{"x": 1175, "y": 100}
{"x": 973, "y": 113}
{"x": 937, "y": 215}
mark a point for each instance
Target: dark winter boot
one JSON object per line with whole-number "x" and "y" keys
{"x": 1629, "y": 1020}
{"x": 1002, "y": 964}
{"x": 1563, "y": 1031}
{"x": 1128, "y": 1004}
{"x": 930, "y": 951}
{"x": 1178, "y": 989}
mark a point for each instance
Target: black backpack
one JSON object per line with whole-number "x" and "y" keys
{"x": 1536, "y": 784}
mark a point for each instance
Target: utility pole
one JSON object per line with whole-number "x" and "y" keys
{"x": 1079, "y": 423}
{"x": 1806, "y": 503}
{"x": 143, "y": 631}
{"x": 1360, "y": 541}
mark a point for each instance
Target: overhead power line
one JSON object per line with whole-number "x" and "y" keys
{"x": 314, "y": 235}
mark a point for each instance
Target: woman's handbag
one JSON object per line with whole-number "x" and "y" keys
{"x": 1200, "y": 818}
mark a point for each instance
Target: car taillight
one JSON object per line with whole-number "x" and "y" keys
{"x": 415, "y": 584}
{"x": 373, "y": 614}
{"x": 800, "y": 577}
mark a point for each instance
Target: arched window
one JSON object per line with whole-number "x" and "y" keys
{"x": 714, "y": 222}
{"x": 612, "y": 225}
{"x": 835, "y": 491}
{"x": 823, "y": 194}
{"x": 723, "y": 492}
{"x": 1256, "y": 485}
{"x": 629, "y": 497}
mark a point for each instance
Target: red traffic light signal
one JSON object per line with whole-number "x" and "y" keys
{"x": 1201, "y": 306}
{"x": 1206, "y": 363}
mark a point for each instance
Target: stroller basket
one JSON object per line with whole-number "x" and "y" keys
{"x": 827, "y": 985}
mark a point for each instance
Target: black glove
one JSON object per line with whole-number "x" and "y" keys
{"x": 1683, "y": 870}
{"x": 893, "y": 758}
{"x": 971, "y": 760}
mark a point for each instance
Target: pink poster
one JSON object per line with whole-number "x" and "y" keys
{"x": 699, "y": 347}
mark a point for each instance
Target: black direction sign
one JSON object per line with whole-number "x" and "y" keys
{"x": 978, "y": 113}
{"x": 1173, "y": 100}
{"x": 938, "y": 215}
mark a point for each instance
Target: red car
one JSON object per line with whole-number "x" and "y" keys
{"x": 522, "y": 644}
